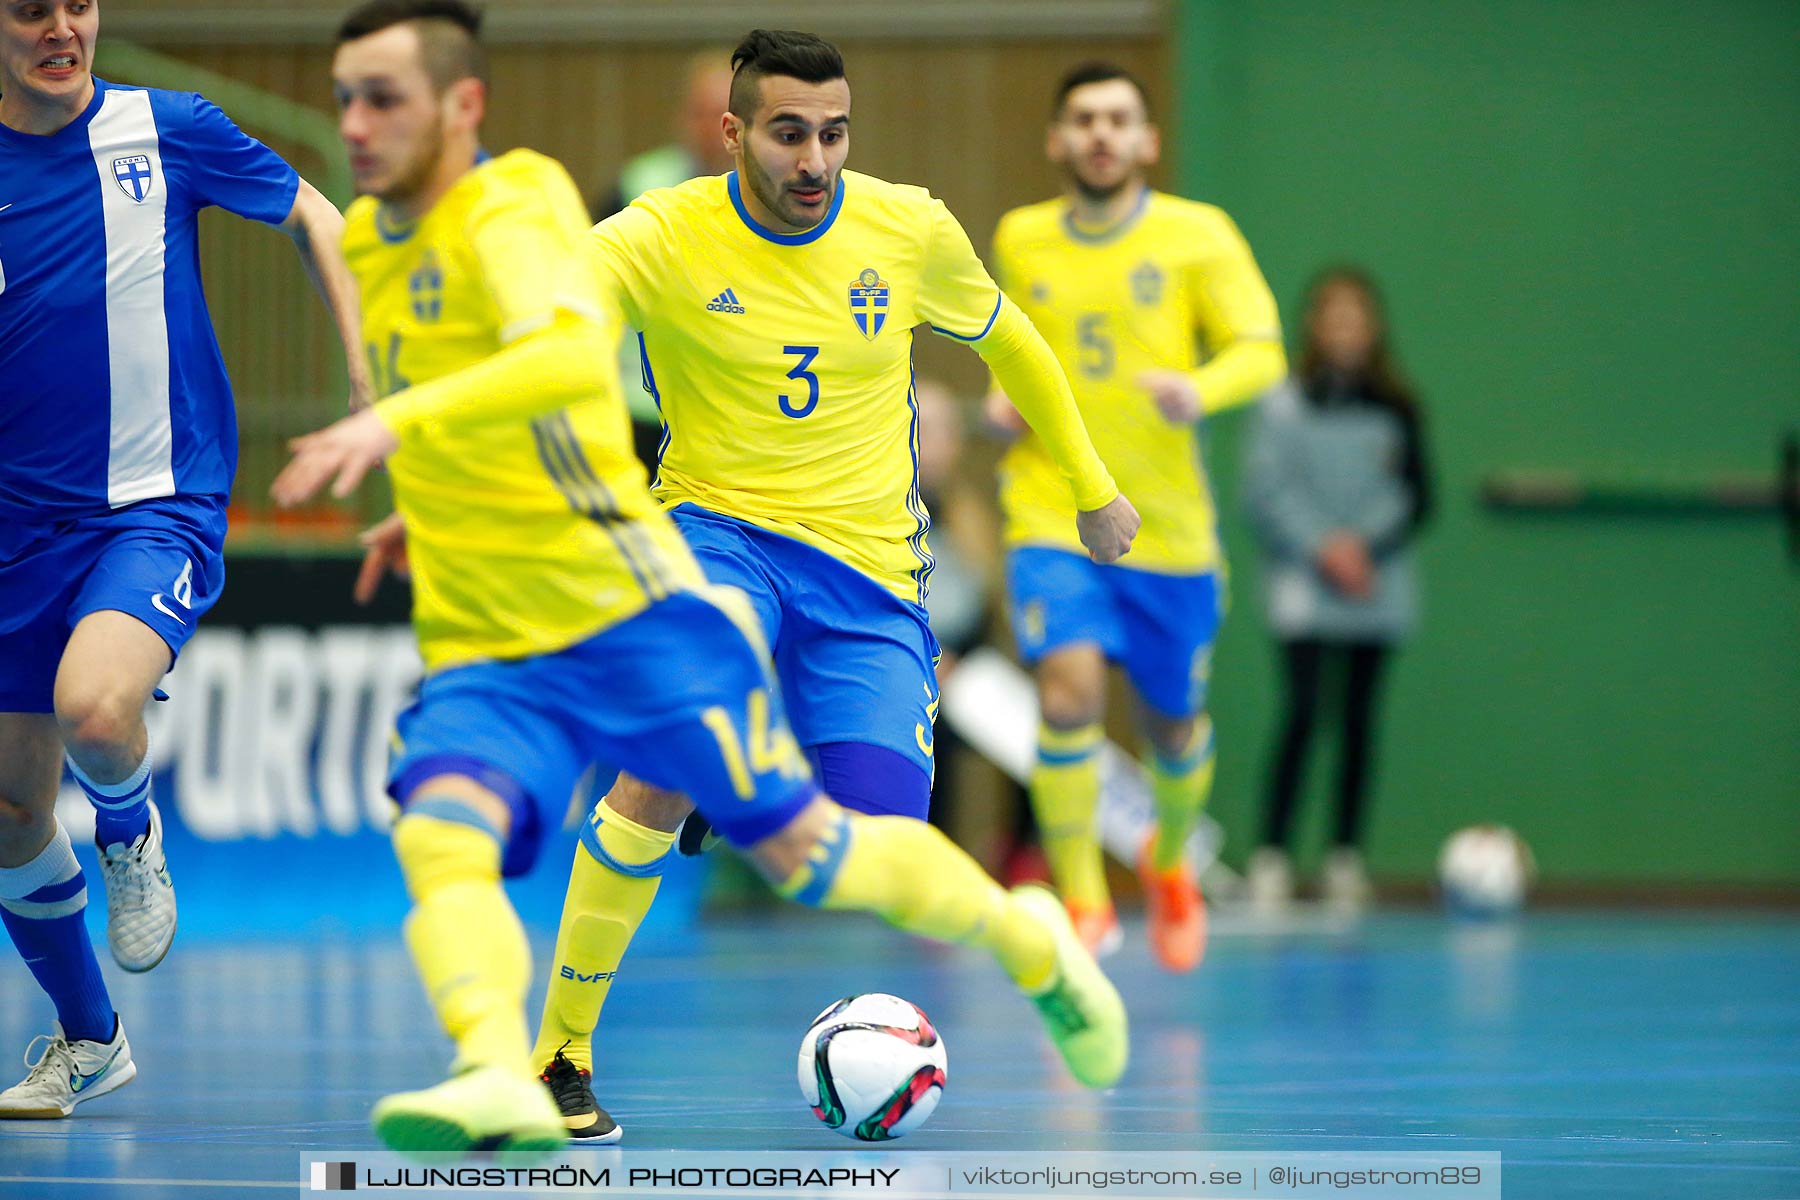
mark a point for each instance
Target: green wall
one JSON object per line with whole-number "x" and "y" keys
{"x": 1587, "y": 219}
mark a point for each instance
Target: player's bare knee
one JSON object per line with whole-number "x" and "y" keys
{"x": 1071, "y": 686}
{"x": 460, "y": 799}
{"x": 1173, "y": 736}
{"x": 26, "y": 826}
{"x": 1069, "y": 702}
{"x": 648, "y": 805}
{"x": 99, "y": 721}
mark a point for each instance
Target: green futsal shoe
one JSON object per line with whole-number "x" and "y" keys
{"x": 1081, "y": 1008}
{"x": 482, "y": 1108}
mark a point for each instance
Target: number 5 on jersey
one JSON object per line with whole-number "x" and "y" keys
{"x": 799, "y": 372}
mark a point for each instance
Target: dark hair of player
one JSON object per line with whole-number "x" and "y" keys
{"x": 1382, "y": 378}
{"x": 764, "y": 52}
{"x": 449, "y": 34}
{"x": 1097, "y": 72}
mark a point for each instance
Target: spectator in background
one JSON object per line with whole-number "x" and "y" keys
{"x": 698, "y": 149}
{"x": 1336, "y": 489}
{"x": 699, "y": 145}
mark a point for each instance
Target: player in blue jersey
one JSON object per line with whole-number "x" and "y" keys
{"x": 117, "y": 448}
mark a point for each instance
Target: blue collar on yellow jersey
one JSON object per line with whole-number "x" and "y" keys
{"x": 1096, "y": 236}
{"x": 391, "y": 232}
{"x": 785, "y": 239}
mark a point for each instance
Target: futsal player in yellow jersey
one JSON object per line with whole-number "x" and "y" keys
{"x": 561, "y": 618}
{"x": 776, "y": 307}
{"x": 1161, "y": 318}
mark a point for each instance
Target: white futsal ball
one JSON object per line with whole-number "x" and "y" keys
{"x": 1485, "y": 870}
{"x": 872, "y": 1067}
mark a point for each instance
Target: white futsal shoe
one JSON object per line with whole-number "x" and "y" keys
{"x": 140, "y": 898}
{"x": 68, "y": 1073}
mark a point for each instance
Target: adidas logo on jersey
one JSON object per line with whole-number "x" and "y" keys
{"x": 726, "y": 301}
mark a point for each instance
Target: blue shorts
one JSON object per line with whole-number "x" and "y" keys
{"x": 160, "y": 561}
{"x": 675, "y": 695}
{"x": 857, "y": 664}
{"x": 1160, "y": 628}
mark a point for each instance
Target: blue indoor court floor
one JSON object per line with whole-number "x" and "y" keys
{"x": 1602, "y": 1055}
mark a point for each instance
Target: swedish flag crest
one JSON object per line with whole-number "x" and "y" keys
{"x": 426, "y": 285}
{"x": 869, "y": 302}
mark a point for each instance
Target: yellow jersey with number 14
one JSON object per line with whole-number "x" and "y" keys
{"x": 783, "y": 362}
{"x": 524, "y": 536}
{"x": 1173, "y": 286}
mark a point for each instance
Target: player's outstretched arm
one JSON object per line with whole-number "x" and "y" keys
{"x": 1236, "y": 375}
{"x": 317, "y": 229}
{"x": 562, "y": 362}
{"x": 1236, "y": 320}
{"x": 1027, "y": 372}
{"x": 341, "y": 454}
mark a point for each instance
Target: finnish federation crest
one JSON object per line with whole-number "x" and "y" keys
{"x": 869, "y": 302}
{"x": 134, "y": 176}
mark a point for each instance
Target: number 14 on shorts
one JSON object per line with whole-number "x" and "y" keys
{"x": 764, "y": 746}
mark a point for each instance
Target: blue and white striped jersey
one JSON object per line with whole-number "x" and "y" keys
{"x": 112, "y": 389}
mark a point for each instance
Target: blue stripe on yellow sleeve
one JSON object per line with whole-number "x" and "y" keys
{"x": 984, "y": 329}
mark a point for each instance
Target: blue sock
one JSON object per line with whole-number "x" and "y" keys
{"x": 44, "y": 907}
{"x": 121, "y": 810}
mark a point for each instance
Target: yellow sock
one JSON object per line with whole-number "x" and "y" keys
{"x": 1181, "y": 786}
{"x": 605, "y": 905}
{"x": 1065, "y": 792}
{"x": 465, "y": 939}
{"x": 916, "y": 879}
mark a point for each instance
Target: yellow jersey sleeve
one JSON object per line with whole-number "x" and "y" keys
{"x": 622, "y": 249}
{"x": 1234, "y": 316}
{"x": 529, "y": 527}
{"x": 957, "y": 296}
{"x": 530, "y": 246}
{"x": 1233, "y": 301}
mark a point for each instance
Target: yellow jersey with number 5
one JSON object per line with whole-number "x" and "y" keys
{"x": 782, "y": 363}
{"x": 524, "y": 537}
{"x": 1172, "y": 286}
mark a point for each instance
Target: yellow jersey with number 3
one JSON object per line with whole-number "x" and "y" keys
{"x": 782, "y": 363}
{"x": 524, "y": 537}
{"x": 1173, "y": 286}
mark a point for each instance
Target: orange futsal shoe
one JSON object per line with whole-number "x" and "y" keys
{"x": 1177, "y": 913}
{"x": 1098, "y": 928}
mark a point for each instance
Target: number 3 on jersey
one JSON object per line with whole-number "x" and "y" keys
{"x": 799, "y": 371}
